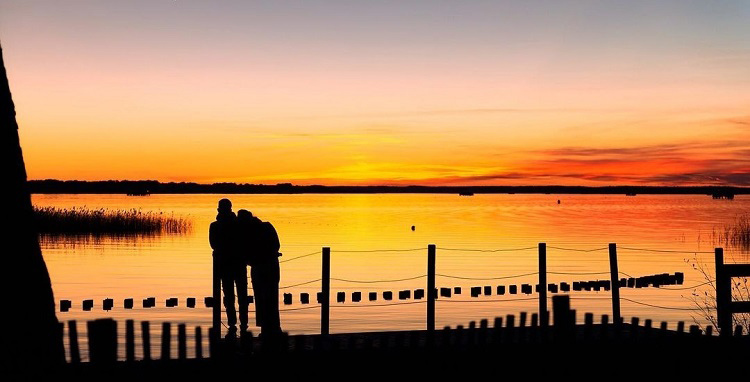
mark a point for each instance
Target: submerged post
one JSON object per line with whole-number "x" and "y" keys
{"x": 723, "y": 295}
{"x": 543, "y": 316}
{"x": 614, "y": 275}
{"x": 431, "y": 292}
{"x": 326, "y": 292}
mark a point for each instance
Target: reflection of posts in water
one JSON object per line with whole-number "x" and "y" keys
{"x": 216, "y": 292}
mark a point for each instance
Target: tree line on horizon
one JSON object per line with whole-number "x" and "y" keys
{"x": 141, "y": 187}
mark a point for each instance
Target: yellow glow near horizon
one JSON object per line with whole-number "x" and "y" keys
{"x": 243, "y": 93}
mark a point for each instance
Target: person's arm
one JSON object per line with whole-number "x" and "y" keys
{"x": 273, "y": 238}
{"x": 212, "y": 235}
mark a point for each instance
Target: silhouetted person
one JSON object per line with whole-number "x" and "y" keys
{"x": 260, "y": 243}
{"x": 223, "y": 237}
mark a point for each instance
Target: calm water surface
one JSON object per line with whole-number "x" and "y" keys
{"x": 357, "y": 227}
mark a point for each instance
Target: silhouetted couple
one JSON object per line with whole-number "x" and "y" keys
{"x": 240, "y": 240}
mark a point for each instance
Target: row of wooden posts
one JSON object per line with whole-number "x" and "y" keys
{"x": 528, "y": 329}
{"x": 418, "y": 294}
{"x": 725, "y": 306}
{"x": 102, "y": 341}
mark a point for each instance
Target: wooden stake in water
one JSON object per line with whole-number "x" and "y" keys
{"x": 431, "y": 287}
{"x": 326, "y": 291}
{"x": 146, "y": 340}
{"x": 543, "y": 317}
{"x": 102, "y": 340}
{"x": 75, "y": 353}
{"x": 614, "y": 275}
{"x": 181, "y": 342}
{"x": 130, "y": 340}
{"x": 198, "y": 342}
{"x": 166, "y": 341}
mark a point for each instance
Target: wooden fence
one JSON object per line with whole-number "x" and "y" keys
{"x": 510, "y": 330}
{"x": 614, "y": 284}
{"x": 725, "y": 307}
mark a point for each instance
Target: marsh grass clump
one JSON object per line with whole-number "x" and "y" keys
{"x": 85, "y": 221}
{"x": 736, "y": 234}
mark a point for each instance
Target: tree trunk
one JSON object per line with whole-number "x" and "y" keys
{"x": 31, "y": 336}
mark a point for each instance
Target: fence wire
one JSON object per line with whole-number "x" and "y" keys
{"x": 487, "y": 278}
{"x": 578, "y": 249}
{"x": 296, "y": 285}
{"x": 376, "y": 305}
{"x": 299, "y": 257}
{"x": 495, "y": 300}
{"x": 378, "y": 281}
{"x": 377, "y": 250}
{"x": 663, "y": 250}
{"x": 486, "y": 250}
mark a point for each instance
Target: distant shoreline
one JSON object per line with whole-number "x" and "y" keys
{"x": 146, "y": 187}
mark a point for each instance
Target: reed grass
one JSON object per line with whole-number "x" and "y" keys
{"x": 85, "y": 221}
{"x": 736, "y": 234}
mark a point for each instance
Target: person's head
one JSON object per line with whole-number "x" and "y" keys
{"x": 247, "y": 216}
{"x": 225, "y": 205}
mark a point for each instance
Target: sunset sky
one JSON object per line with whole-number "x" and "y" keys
{"x": 383, "y": 92}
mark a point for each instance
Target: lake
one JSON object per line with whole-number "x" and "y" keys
{"x": 480, "y": 239}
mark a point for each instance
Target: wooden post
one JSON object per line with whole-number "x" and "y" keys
{"x": 102, "y": 340}
{"x": 564, "y": 325}
{"x": 198, "y": 342}
{"x": 588, "y": 326}
{"x": 723, "y": 295}
{"x": 634, "y": 328}
{"x": 216, "y": 293}
{"x": 663, "y": 330}
{"x": 181, "y": 342}
{"x": 431, "y": 288}
{"x": 75, "y": 353}
{"x": 510, "y": 333}
{"x": 614, "y": 275}
{"x": 497, "y": 329}
{"x": 166, "y": 341}
{"x": 543, "y": 317}
{"x": 325, "y": 308}
{"x": 213, "y": 343}
{"x": 130, "y": 340}
{"x": 605, "y": 327}
{"x": 146, "y": 339}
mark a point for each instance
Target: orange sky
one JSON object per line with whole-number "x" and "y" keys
{"x": 583, "y": 93}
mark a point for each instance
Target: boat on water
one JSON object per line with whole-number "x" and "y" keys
{"x": 723, "y": 195}
{"x": 143, "y": 193}
{"x": 466, "y": 193}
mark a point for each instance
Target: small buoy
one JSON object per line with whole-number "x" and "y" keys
{"x": 413, "y": 228}
{"x": 558, "y": 201}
